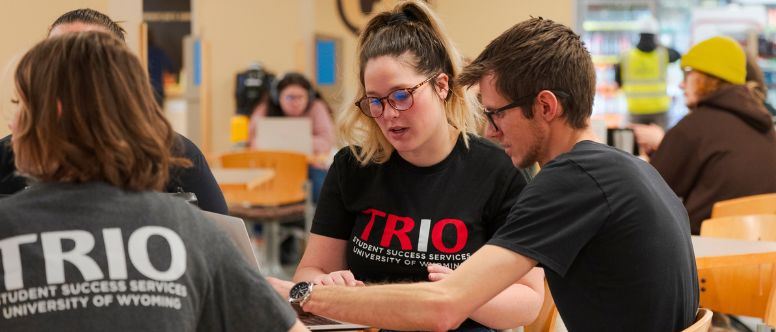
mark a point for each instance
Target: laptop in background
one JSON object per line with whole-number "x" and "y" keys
{"x": 235, "y": 229}
{"x": 284, "y": 133}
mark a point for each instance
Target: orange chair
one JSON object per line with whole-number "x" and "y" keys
{"x": 747, "y": 290}
{"x": 278, "y": 200}
{"x": 546, "y": 320}
{"x": 702, "y": 321}
{"x": 755, "y": 204}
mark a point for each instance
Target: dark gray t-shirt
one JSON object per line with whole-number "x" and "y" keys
{"x": 94, "y": 257}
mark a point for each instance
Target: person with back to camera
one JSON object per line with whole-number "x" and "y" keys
{"x": 196, "y": 178}
{"x": 415, "y": 192}
{"x": 613, "y": 239}
{"x": 726, "y": 146}
{"x": 92, "y": 238}
{"x": 292, "y": 95}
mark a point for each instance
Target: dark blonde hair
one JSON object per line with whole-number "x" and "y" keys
{"x": 87, "y": 113}
{"x": 534, "y": 55}
{"x": 412, "y": 32}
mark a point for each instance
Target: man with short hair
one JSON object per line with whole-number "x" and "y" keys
{"x": 613, "y": 238}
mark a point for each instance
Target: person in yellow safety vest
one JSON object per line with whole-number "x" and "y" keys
{"x": 642, "y": 76}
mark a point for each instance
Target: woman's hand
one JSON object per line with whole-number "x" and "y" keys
{"x": 438, "y": 272}
{"x": 648, "y": 136}
{"x": 342, "y": 278}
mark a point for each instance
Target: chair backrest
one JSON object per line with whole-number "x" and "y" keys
{"x": 702, "y": 321}
{"x": 755, "y": 227}
{"x": 746, "y": 290}
{"x": 545, "y": 322}
{"x": 287, "y": 185}
{"x": 755, "y": 204}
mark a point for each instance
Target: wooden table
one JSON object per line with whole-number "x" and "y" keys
{"x": 242, "y": 178}
{"x": 713, "y": 252}
{"x": 737, "y": 276}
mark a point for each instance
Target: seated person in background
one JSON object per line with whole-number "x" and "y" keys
{"x": 755, "y": 81}
{"x": 196, "y": 178}
{"x": 419, "y": 192}
{"x": 726, "y": 146}
{"x": 612, "y": 237}
{"x": 292, "y": 95}
{"x": 90, "y": 135}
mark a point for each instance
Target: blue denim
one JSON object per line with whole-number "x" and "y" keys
{"x": 316, "y": 176}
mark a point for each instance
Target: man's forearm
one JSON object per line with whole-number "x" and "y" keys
{"x": 427, "y": 306}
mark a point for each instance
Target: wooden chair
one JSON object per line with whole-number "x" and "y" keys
{"x": 755, "y": 204}
{"x": 746, "y": 290}
{"x": 278, "y": 200}
{"x": 546, "y": 320}
{"x": 702, "y": 321}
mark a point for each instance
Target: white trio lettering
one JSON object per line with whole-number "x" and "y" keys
{"x": 55, "y": 256}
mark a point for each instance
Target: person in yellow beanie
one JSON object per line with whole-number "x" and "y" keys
{"x": 726, "y": 146}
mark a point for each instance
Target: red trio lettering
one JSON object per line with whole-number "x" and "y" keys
{"x": 368, "y": 228}
{"x": 401, "y": 234}
{"x": 460, "y": 240}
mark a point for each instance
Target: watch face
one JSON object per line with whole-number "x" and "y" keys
{"x": 299, "y": 290}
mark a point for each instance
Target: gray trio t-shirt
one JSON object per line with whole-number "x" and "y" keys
{"x": 94, "y": 257}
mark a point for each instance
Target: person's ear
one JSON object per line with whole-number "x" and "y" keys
{"x": 442, "y": 86}
{"x": 548, "y": 106}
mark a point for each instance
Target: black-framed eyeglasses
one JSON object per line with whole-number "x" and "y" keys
{"x": 491, "y": 115}
{"x": 399, "y": 99}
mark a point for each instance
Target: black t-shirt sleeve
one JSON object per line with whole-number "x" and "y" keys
{"x": 9, "y": 181}
{"x": 196, "y": 179}
{"x": 332, "y": 218}
{"x": 555, "y": 217}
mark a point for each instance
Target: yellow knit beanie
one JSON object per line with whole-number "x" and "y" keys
{"x": 721, "y": 57}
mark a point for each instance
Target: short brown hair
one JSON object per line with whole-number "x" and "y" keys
{"x": 535, "y": 55}
{"x": 87, "y": 113}
{"x": 93, "y": 17}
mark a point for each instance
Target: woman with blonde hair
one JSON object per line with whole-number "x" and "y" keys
{"x": 726, "y": 146}
{"x": 97, "y": 147}
{"x": 416, "y": 191}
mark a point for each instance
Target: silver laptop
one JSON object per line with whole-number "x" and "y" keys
{"x": 235, "y": 229}
{"x": 284, "y": 133}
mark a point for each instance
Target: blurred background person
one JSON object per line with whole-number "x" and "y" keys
{"x": 642, "y": 76}
{"x": 726, "y": 146}
{"x": 292, "y": 95}
{"x": 159, "y": 66}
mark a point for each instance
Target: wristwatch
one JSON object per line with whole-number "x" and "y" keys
{"x": 299, "y": 294}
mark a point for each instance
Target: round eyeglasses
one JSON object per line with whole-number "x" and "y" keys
{"x": 399, "y": 99}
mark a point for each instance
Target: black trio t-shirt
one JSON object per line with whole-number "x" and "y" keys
{"x": 613, "y": 238}
{"x": 398, "y": 218}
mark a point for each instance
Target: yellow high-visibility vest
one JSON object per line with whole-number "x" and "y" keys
{"x": 644, "y": 81}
